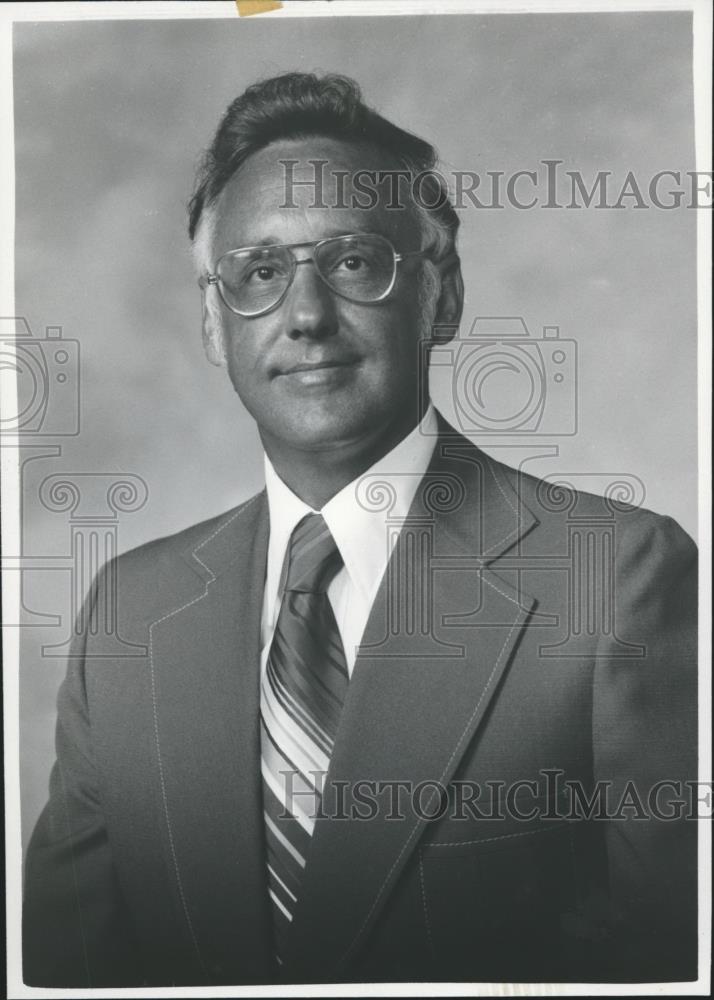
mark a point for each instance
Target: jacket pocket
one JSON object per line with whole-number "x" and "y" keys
{"x": 497, "y": 907}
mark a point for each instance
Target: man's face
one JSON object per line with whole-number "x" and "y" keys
{"x": 318, "y": 372}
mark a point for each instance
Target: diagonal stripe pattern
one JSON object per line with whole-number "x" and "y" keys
{"x": 301, "y": 698}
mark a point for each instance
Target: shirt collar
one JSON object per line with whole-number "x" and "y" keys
{"x": 358, "y": 521}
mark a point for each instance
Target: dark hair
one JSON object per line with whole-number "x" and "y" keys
{"x": 298, "y": 105}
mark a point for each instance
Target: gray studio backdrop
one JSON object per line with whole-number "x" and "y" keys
{"x": 110, "y": 118}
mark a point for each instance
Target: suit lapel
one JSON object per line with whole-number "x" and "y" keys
{"x": 205, "y": 679}
{"x": 441, "y": 633}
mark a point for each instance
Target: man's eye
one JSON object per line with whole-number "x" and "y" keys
{"x": 264, "y": 272}
{"x": 352, "y": 263}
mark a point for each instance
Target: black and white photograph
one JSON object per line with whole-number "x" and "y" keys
{"x": 355, "y": 498}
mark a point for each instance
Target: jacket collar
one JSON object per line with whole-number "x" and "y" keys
{"x": 476, "y": 500}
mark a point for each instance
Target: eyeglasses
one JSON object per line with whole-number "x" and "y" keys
{"x": 360, "y": 267}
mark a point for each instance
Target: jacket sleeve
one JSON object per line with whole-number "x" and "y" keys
{"x": 645, "y": 749}
{"x": 76, "y": 932}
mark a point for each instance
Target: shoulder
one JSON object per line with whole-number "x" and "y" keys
{"x": 558, "y": 505}
{"x": 641, "y": 537}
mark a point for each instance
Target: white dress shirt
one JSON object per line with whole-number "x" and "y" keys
{"x": 363, "y": 535}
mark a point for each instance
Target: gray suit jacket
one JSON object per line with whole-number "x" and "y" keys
{"x": 522, "y": 634}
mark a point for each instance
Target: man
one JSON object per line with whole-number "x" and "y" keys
{"x": 368, "y": 690}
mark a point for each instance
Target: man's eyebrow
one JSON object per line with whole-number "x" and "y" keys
{"x": 267, "y": 241}
{"x": 356, "y": 230}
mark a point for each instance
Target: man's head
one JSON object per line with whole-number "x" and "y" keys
{"x": 323, "y": 367}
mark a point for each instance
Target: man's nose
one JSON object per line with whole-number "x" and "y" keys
{"x": 310, "y": 305}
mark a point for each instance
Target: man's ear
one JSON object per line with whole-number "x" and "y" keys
{"x": 213, "y": 339}
{"x": 451, "y": 301}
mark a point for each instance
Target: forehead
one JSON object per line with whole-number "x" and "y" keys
{"x": 282, "y": 195}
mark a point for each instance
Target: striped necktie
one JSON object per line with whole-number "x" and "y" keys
{"x": 302, "y": 692}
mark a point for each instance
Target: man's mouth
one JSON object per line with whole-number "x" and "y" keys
{"x": 321, "y": 372}
{"x": 311, "y": 366}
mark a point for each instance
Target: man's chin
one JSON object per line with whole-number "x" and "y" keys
{"x": 330, "y": 435}
{"x": 333, "y": 439}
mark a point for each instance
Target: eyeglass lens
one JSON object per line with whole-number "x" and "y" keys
{"x": 360, "y": 268}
